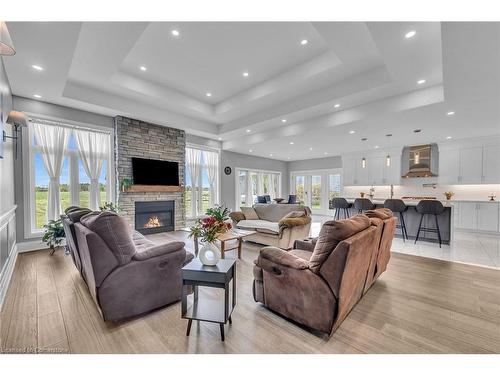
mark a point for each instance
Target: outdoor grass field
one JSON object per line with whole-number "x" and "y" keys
{"x": 41, "y": 198}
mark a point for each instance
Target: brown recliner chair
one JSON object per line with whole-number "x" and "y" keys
{"x": 319, "y": 284}
{"x": 127, "y": 276}
{"x": 383, "y": 218}
{"x": 72, "y": 216}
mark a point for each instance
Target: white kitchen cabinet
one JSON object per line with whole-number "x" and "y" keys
{"x": 392, "y": 173}
{"x": 348, "y": 172}
{"x": 491, "y": 164}
{"x": 467, "y": 217}
{"x": 471, "y": 165}
{"x": 362, "y": 174}
{"x": 487, "y": 216}
{"x": 449, "y": 166}
{"x": 480, "y": 216}
{"x": 376, "y": 171}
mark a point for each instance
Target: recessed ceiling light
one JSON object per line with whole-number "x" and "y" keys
{"x": 310, "y": 148}
{"x": 270, "y": 154}
{"x": 220, "y": 139}
{"x": 326, "y": 153}
{"x": 288, "y": 158}
{"x": 209, "y": 94}
{"x": 250, "y": 150}
{"x": 352, "y": 132}
{"x": 175, "y": 32}
{"x": 37, "y": 67}
{"x": 143, "y": 68}
{"x": 304, "y": 42}
{"x": 336, "y": 105}
{"x": 283, "y": 120}
{"x": 449, "y": 137}
{"x": 421, "y": 81}
{"x": 245, "y": 74}
{"x": 410, "y": 34}
{"x": 451, "y": 113}
{"x": 291, "y": 143}
{"x": 248, "y": 130}
{"x": 375, "y": 146}
{"x": 37, "y": 96}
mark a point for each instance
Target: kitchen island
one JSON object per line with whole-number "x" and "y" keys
{"x": 412, "y": 219}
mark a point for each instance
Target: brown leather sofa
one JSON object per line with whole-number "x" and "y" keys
{"x": 318, "y": 283}
{"x": 126, "y": 274}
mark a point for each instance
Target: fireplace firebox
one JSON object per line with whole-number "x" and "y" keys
{"x": 154, "y": 216}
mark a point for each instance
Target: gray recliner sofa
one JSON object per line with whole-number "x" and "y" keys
{"x": 127, "y": 274}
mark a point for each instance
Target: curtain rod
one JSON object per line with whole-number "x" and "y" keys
{"x": 66, "y": 125}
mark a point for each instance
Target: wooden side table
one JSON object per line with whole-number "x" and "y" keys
{"x": 234, "y": 234}
{"x": 205, "y": 308}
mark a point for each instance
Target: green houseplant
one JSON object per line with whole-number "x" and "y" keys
{"x": 53, "y": 234}
{"x": 110, "y": 206}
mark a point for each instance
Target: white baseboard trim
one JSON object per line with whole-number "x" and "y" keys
{"x": 6, "y": 275}
{"x": 23, "y": 247}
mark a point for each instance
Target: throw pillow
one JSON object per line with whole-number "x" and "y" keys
{"x": 249, "y": 213}
{"x": 293, "y": 214}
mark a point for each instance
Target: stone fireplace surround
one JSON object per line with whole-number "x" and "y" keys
{"x": 134, "y": 138}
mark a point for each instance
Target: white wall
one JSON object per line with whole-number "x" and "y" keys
{"x": 8, "y": 252}
{"x": 314, "y": 164}
{"x": 235, "y": 160}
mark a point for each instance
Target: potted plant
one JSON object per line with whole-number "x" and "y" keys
{"x": 126, "y": 184}
{"x": 53, "y": 234}
{"x": 110, "y": 206}
{"x": 208, "y": 229}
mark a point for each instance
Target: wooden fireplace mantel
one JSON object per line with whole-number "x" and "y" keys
{"x": 154, "y": 189}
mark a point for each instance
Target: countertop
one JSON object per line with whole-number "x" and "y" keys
{"x": 414, "y": 202}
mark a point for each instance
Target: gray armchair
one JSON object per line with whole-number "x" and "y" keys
{"x": 127, "y": 275}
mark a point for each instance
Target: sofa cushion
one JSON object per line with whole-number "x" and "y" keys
{"x": 259, "y": 224}
{"x": 114, "y": 231}
{"x": 77, "y": 213}
{"x": 303, "y": 254}
{"x": 157, "y": 250}
{"x": 381, "y": 213}
{"x": 249, "y": 213}
{"x": 332, "y": 232}
{"x": 276, "y": 212}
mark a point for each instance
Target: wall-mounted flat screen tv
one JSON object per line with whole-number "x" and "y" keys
{"x": 155, "y": 172}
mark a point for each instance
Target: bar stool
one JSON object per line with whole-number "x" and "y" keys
{"x": 338, "y": 204}
{"x": 397, "y": 205}
{"x": 429, "y": 207}
{"x": 363, "y": 204}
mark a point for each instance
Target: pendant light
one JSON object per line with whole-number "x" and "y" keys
{"x": 388, "y": 157}
{"x": 363, "y": 159}
{"x": 6, "y": 45}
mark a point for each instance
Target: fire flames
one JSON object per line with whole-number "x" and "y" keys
{"x": 153, "y": 222}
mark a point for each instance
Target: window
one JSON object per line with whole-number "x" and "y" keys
{"x": 316, "y": 188}
{"x": 202, "y": 180}
{"x": 251, "y": 183}
{"x": 74, "y": 182}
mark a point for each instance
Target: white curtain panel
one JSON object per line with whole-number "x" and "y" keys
{"x": 93, "y": 148}
{"x": 193, "y": 163}
{"x": 212, "y": 165}
{"x": 53, "y": 141}
{"x": 274, "y": 185}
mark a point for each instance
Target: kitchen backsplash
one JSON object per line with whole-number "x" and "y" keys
{"x": 462, "y": 192}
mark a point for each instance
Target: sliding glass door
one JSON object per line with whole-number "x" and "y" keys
{"x": 316, "y": 188}
{"x": 251, "y": 183}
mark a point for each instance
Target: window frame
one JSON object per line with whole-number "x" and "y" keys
{"x": 259, "y": 172}
{"x": 200, "y": 177}
{"x": 30, "y": 230}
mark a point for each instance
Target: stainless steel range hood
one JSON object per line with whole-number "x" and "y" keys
{"x": 420, "y": 161}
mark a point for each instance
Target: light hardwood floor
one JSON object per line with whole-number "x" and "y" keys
{"x": 419, "y": 305}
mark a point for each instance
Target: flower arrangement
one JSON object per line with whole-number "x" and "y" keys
{"x": 211, "y": 226}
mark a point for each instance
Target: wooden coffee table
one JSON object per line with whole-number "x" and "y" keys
{"x": 232, "y": 235}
